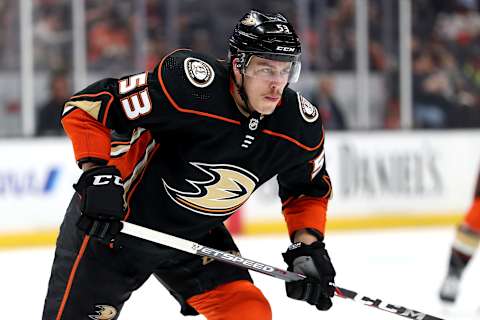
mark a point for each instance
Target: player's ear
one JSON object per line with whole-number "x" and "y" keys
{"x": 236, "y": 66}
{"x": 236, "y": 69}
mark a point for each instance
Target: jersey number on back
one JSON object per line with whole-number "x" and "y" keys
{"x": 137, "y": 104}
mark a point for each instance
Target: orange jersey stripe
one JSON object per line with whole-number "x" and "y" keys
{"x": 305, "y": 212}
{"x": 72, "y": 276}
{"x": 326, "y": 179}
{"x": 127, "y": 161}
{"x": 285, "y": 137}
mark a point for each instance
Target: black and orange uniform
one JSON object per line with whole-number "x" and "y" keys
{"x": 191, "y": 159}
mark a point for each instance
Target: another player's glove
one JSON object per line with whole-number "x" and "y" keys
{"x": 101, "y": 192}
{"x": 312, "y": 261}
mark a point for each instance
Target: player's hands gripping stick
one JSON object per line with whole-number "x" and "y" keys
{"x": 312, "y": 261}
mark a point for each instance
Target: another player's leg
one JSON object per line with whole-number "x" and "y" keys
{"x": 463, "y": 248}
{"x": 230, "y": 301}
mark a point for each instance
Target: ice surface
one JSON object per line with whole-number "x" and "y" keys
{"x": 403, "y": 267}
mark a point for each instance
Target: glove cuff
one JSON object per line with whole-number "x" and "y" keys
{"x": 299, "y": 249}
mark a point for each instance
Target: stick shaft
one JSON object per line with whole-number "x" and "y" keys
{"x": 195, "y": 248}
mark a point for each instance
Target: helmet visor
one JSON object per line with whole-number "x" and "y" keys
{"x": 271, "y": 68}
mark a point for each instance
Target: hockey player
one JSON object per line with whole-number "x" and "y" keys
{"x": 202, "y": 135}
{"x": 463, "y": 248}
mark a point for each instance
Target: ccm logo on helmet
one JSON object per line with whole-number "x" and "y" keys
{"x": 285, "y": 49}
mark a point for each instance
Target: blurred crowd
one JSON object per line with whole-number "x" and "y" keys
{"x": 131, "y": 35}
{"x": 445, "y": 65}
{"x": 452, "y": 72}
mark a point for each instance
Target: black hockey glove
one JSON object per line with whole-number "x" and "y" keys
{"x": 312, "y": 261}
{"x": 101, "y": 193}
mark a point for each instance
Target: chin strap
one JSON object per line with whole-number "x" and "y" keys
{"x": 241, "y": 90}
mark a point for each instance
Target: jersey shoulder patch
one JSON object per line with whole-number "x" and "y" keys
{"x": 199, "y": 72}
{"x": 187, "y": 69}
{"x": 308, "y": 111}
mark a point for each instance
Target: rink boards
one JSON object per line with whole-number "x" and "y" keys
{"x": 380, "y": 179}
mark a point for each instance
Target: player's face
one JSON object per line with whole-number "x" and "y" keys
{"x": 264, "y": 83}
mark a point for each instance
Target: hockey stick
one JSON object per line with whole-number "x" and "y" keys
{"x": 197, "y": 249}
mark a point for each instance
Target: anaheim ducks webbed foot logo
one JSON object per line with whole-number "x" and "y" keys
{"x": 227, "y": 189}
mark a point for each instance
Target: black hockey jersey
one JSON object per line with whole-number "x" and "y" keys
{"x": 192, "y": 157}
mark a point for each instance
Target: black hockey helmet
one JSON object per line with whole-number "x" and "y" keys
{"x": 267, "y": 36}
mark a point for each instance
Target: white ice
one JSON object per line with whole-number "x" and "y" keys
{"x": 403, "y": 267}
